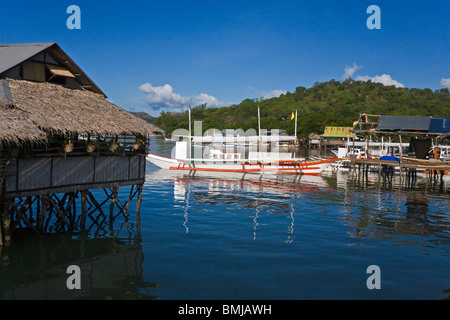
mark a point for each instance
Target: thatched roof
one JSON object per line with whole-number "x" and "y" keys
{"x": 16, "y": 126}
{"x": 41, "y": 108}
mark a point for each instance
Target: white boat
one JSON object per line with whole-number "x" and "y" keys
{"x": 231, "y": 162}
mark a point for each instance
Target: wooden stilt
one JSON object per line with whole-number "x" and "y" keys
{"x": 83, "y": 211}
{"x": 61, "y": 212}
{"x": 138, "y": 207}
{"x": 57, "y": 212}
{"x": 401, "y": 159}
{"x": 6, "y": 222}
{"x": 1, "y": 225}
{"x": 113, "y": 202}
{"x": 43, "y": 213}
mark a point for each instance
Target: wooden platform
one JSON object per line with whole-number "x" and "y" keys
{"x": 405, "y": 163}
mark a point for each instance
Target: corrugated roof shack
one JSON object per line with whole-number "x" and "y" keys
{"x": 336, "y": 136}
{"x": 59, "y": 134}
{"x": 423, "y": 132}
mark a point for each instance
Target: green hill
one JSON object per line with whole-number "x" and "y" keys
{"x": 331, "y": 103}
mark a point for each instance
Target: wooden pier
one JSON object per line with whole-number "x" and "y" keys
{"x": 407, "y": 168}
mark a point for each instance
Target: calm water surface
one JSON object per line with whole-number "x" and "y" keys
{"x": 234, "y": 237}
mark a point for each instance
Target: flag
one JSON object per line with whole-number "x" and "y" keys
{"x": 293, "y": 116}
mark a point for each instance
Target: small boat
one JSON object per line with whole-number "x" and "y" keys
{"x": 231, "y": 162}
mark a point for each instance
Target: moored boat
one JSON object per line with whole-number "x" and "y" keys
{"x": 231, "y": 162}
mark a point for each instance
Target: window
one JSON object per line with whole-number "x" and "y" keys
{"x": 33, "y": 71}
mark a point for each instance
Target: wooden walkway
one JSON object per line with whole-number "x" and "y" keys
{"x": 405, "y": 166}
{"x": 404, "y": 162}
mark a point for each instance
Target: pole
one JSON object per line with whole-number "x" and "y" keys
{"x": 401, "y": 159}
{"x": 259, "y": 123}
{"x": 295, "y": 134}
{"x": 190, "y": 134}
{"x": 295, "y": 130}
{"x": 190, "y": 122}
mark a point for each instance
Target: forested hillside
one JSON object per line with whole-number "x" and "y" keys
{"x": 331, "y": 103}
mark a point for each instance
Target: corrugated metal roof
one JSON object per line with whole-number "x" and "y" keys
{"x": 403, "y": 123}
{"x": 13, "y": 54}
{"x": 336, "y": 132}
{"x": 439, "y": 125}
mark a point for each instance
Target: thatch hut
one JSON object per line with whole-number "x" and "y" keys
{"x": 58, "y": 133}
{"x": 44, "y": 93}
{"x": 51, "y": 110}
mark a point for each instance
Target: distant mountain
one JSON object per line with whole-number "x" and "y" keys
{"x": 330, "y": 103}
{"x": 145, "y": 116}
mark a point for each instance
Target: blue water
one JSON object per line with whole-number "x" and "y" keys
{"x": 211, "y": 237}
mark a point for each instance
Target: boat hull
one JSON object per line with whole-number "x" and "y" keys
{"x": 280, "y": 167}
{"x": 162, "y": 162}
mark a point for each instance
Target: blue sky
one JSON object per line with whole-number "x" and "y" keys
{"x": 164, "y": 55}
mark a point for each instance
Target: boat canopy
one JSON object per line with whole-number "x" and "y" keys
{"x": 241, "y": 139}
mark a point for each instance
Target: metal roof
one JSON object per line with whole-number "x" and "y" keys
{"x": 336, "y": 132}
{"x": 403, "y": 123}
{"x": 12, "y": 55}
{"x": 439, "y": 125}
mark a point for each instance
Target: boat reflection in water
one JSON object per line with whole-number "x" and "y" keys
{"x": 372, "y": 209}
{"x": 237, "y": 191}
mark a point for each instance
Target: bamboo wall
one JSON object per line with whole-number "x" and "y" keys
{"x": 52, "y": 175}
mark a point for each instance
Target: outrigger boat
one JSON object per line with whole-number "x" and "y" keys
{"x": 231, "y": 162}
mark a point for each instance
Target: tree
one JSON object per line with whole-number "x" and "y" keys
{"x": 327, "y": 103}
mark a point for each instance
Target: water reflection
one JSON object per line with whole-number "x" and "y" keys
{"x": 253, "y": 194}
{"x": 35, "y": 268}
{"x": 415, "y": 215}
{"x": 372, "y": 210}
{"x": 333, "y": 226}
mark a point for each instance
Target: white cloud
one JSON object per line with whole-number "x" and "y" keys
{"x": 384, "y": 79}
{"x": 272, "y": 94}
{"x": 350, "y": 70}
{"x": 445, "y": 83}
{"x": 266, "y": 95}
{"x": 159, "y": 97}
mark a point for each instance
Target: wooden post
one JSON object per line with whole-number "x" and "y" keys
{"x": 401, "y": 158}
{"x": 138, "y": 207}
{"x": 40, "y": 222}
{"x": 113, "y": 202}
{"x": 353, "y": 154}
{"x": 6, "y": 222}
{"x": 1, "y": 225}
{"x": 83, "y": 210}
{"x": 3, "y": 208}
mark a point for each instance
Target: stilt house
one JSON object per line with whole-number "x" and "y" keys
{"x": 58, "y": 133}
